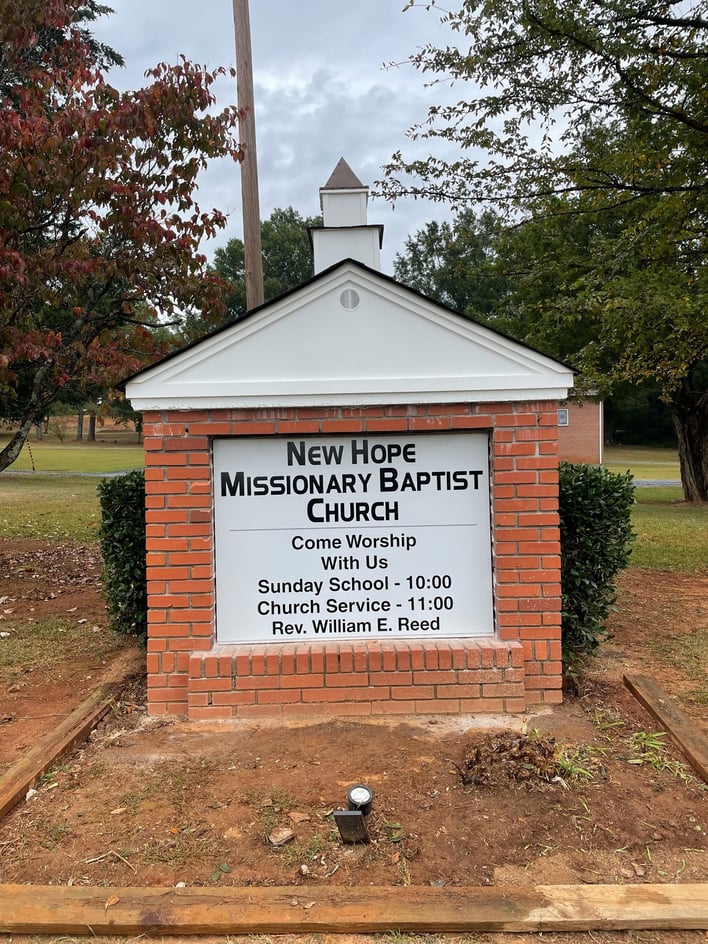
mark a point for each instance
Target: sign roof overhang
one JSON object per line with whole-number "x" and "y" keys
{"x": 311, "y": 348}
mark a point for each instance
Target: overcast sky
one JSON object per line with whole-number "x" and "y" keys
{"x": 320, "y": 87}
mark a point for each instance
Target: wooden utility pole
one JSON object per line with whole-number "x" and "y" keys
{"x": 253, "y": 255}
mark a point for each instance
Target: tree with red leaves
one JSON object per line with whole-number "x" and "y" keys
{"x": 100, "y": 230}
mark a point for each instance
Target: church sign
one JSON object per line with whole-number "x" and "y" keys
{"x": 352, "y": 503}
{"x": 358, "y": 537}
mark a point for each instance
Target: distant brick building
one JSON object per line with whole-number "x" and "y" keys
{"x": 580, "y": 431}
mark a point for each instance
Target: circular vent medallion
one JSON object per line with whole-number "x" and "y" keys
{"x": 349, "y": 299}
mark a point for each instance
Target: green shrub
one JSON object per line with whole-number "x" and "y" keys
{"x": 122, "y": 537}
{"x": 596, "y": 543}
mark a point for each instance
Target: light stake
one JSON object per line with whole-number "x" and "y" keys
{"x": 351, "y": 825}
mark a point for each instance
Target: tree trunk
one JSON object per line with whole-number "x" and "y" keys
{"x": 80, "y": 424}
{"x": 36, "y": 406}
{"x": 14, "y": 446}
{"x": 690, "y": 411}
{"x": 91, "y": 436}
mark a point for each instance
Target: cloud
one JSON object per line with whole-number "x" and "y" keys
{"x": 321, "y": 93}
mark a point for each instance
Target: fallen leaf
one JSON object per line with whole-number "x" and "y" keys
{"x": 119, "y": 809}
{"x": 299, "y": 817}
{"x": 111, "y": 901}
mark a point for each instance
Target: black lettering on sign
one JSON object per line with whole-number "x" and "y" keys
{"x": 303, "y": 454}
{"x": 320, "y": 511}
{"x": 377, "y": 452}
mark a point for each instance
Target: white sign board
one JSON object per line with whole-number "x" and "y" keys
{"x": 352, "y": 537}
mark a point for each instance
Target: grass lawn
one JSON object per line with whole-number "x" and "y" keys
{"x": 671, "y": 535}
{"x": 644, "y": 462}
{"x": 77, "y": 457}
{"x": 50, "y": 641}
{"x": 64, "y": 507}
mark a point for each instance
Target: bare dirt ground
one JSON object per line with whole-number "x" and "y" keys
{"x": 582, "y": 794}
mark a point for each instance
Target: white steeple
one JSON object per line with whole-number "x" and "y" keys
{"x": 345, "y": 233}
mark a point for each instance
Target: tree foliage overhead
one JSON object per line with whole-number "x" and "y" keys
{"x": 540, "y": 77}
{"x": 287, "y": 258}
{"x": 99, "y": 225}
{"x": 49, "y": 37}
{"x": 587, "y": 123}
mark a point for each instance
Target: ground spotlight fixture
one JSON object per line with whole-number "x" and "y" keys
{"x": 360, "y": 797}
{"x": 351, "y": 822}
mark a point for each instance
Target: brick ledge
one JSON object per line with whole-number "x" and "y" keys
{"x": 355, "y": 678}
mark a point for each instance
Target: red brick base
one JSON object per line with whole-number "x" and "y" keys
{"x": 297, "y": 681}
{"x": 190, "y": 674}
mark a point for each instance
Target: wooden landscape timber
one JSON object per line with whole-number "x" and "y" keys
{"x": 49, "y": 909}
{"x": 16, "y": 781}
{"x": 681, "y": 729}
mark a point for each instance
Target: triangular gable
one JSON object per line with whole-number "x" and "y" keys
{"x": 350, "y": 336}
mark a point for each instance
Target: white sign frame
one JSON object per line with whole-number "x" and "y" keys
{"x": 356, "y": 537}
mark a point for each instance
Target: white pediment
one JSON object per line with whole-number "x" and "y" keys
{"x": 313, "y": 348}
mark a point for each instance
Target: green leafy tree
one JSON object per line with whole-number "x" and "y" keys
{"x": 287, "y": 258}
{"x": 620, "y": 295}
{"x": 541, "y": 77}
{"x": 547, "y": 260}
{"x": 521, "y": 280}
{"x": 636, "y": 416}
{"x": 98, "y": 217}
{"x": 594, "y": 110}
{"x": 455, "y": 263}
